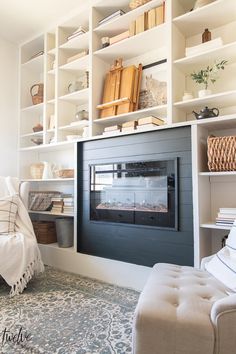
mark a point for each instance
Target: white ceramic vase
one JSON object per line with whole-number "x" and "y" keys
{"x": 204, "y": 93}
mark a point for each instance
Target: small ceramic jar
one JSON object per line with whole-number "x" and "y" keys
{"x": 105, "y": 42}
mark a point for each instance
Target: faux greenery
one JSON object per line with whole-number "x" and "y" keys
{"x": 210, "y": 74}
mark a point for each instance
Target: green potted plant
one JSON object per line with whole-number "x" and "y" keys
{"x": 207, "y": 76}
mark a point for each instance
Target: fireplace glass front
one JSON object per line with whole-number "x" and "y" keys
{"x": 142, "y": 193}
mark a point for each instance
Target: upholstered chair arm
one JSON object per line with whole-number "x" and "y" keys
{"x": 24, "y": 192}
{"x": 223, "y": 317}
{"x": 205, "y": 261}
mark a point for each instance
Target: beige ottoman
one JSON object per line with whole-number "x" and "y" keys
{"x": 173, "y": 312}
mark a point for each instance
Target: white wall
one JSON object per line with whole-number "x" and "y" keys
{"x": 8, "y": 107}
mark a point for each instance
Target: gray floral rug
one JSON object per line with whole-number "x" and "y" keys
{"x": 64, "y": 313}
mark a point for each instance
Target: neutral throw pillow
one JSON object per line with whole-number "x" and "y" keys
{"x": 223, "y": 265}
{"x": 8, "y": 211}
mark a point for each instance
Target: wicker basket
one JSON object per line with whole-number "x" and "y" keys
{"x": 65, "y": 173}
{"x": 36, "y": 170}
{"x": 45, "y": 231}
{"x": 38, "y": 96}
{"x": 221, "y": 152}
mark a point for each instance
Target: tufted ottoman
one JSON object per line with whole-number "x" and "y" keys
{"x": 173, "y": 312}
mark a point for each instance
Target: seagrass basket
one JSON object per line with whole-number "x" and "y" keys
{"x": 36, "y": 170}
{"x": 45, "y": 231}
{"x": 221, "y": 153}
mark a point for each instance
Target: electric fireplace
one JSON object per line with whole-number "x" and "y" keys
{"x": 135, "y": 192}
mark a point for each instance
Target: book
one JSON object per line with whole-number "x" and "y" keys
{"x": 128, "y": 129}
{"x": 130, "y": 124}
{"x": 151, "y": 18}
{"x": 146, "y": 127}
{"x": 111, "y": 128}
{"x": 227, "y": 210}
{"x": 115, "y": 14}
{"x": 119, "y": 37}
{"x": 111, "y": 133}
{"x": 150, "y": 120}
{"x": 203, "y": 47}
{"x": 140, "y": 23}
{"x": 77, "y": 56}
{"x": 132, "y": 29}
{"x": 160, "y": 14}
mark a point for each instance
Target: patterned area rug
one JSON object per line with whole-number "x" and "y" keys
{"x": 65, "y": 313}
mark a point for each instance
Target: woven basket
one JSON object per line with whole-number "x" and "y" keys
{"x": 45, "y": 231}
{"x": 36, "y": 170}
{"x": 221, "y": 152}
{"x": 65, "y": 173}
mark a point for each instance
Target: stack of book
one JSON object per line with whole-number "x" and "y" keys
{"x": 57, "y": 205}
{"x": 112, "y": 130}
{"x": 148, "y": 20}
{"x": 111, "y": 17}
{"x": 77, "y": 56}
{"x": 150, "y": 122}
{"x": 226, "y": 216}
{"x": 129, "y": 127}
{"x": 76, "y": 33}
{"x": 68, "y": 202}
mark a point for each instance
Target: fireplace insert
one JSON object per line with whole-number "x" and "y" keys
{"x": 135, "y": 192}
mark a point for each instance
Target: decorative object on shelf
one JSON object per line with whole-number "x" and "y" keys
{"x": 41, "y": 200}
{"x": 205, "y": 76}
{"x": 51, "y": 122}
{"x": 207, "y": 113}
{"x": 105, "y": 42}
{"x": 75, "y": 86}
{"x": 73, "y": 137}
{"x": 203, "y": 47}
{"x": 37, "y": 141}
{"x": 121, "y": 90}
{"x": 82, "y": 115}
{"x": 65, "y": 232}
{"x": 48, "y": 171}
{"x": 53, "y": 65}
{"x": 187, "y": 96}
{"x": 136, "y": 3}
{"x": 85, "y": 132}
{"x": 37, "y": 128}
{"x": 218, "y": 159}
{"x": 36, "y": 170}
{"x": 52, "y": 140}
{"x": 76, "y": 33}
{"x": 153, "y": 87}
{"x": 45, "y": 231}
{"x": 38, "y": 96}
{"x": 65, "y": 173}
{"x": 77, "y": 56}
{"x": 201, "y": 3}
{"x": 206, "y": 36}
{"x": 114, "y": 15}
{"x": 38, "y": 54}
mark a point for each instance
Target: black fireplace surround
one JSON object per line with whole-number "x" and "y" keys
{"x": 135, "y": 198}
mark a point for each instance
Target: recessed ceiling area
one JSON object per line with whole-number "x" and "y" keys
{"x": 23, "y": 19}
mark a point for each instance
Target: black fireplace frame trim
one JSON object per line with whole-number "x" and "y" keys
{"x": 176, "y": 167}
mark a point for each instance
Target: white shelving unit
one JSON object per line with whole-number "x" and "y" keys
{"x": 182, "y": 28}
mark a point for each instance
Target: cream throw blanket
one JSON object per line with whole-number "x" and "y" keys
{"x": 20, "y": 257}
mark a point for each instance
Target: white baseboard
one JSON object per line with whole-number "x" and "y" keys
{"x": 115, "y": 272}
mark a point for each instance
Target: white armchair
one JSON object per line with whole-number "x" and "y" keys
{"x": 183, "y": 310}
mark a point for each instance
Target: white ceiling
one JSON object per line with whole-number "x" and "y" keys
{"x": 22, "y": 19}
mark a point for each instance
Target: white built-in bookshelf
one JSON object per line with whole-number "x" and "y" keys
{"x": 182, "y": 28}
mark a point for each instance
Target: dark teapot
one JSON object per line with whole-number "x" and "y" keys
{"x": 207, "y": 113}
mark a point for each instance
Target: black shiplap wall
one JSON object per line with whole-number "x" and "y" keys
{"x": 136, "y": 243}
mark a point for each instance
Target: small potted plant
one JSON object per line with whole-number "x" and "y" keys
{"x": 207, "y": 76}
